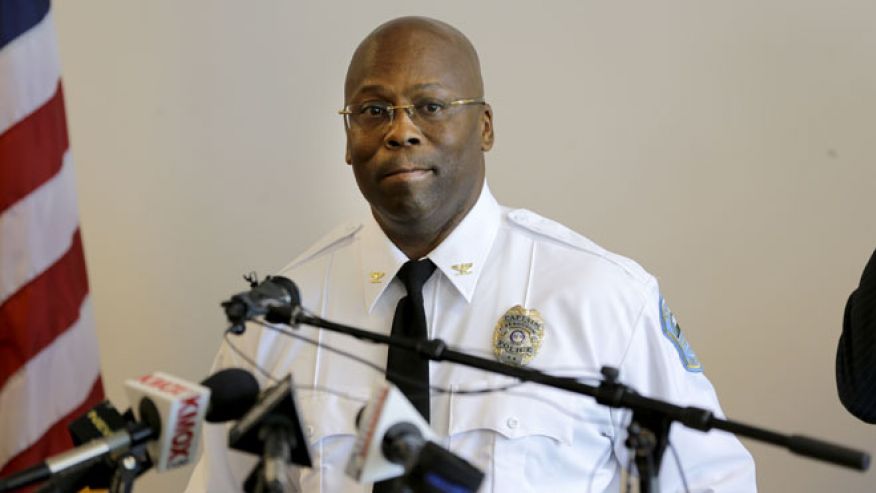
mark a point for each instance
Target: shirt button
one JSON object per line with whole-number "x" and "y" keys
{"x": 512, "y": 423}
{"x": 309, "y": 431}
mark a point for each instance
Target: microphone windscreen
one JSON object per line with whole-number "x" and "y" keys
{"x": 289, "y": 287}
{"x": 233, "y": 392}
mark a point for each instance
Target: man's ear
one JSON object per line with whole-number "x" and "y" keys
{"x": 348, "y": 154}
{"x": 487, "y": 128}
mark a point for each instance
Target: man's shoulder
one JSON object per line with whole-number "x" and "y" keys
{"x": 339, "y": 237}
{"x": 568, "y": 245}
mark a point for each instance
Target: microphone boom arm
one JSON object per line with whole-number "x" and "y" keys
{"x": 647, "y": 412}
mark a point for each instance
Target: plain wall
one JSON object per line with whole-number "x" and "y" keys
{"x": 727, "y": 146}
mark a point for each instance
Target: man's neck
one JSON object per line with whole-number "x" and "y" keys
{"x": 419, "y": 237}
{"x": 416, "y": 244}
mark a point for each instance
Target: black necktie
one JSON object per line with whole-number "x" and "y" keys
{"x": 409, "y": 321}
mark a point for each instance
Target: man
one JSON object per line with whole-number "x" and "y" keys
{"x": 505, "y": 283}
{"x": 856, "y": 352}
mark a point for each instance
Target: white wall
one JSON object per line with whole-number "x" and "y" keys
{"x": 727, "y": 146}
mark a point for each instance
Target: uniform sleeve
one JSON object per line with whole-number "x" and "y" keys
{"x": 219, "y": 469}
{"x": 856, "y": 351}
{"x": 659, "y": 363}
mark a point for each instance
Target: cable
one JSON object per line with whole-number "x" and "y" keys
{"x": 581, "y": 373}
{"x": 267, "y": 374}
{"x": 680, "y": 469}
{"x": 378, "y": 368}
{"x": 343, "y": 395}
{"x": 629, "y": 485}
{"x": 249, "y": 360}
{"x": 341, "y": 352}
{"x": 288, "y": 332}
{"x": 624, "y": 420}
{"x": 557, "y": 407}
{"x": 438, "y": 389}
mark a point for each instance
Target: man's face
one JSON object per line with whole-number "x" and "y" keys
{"x": 417, "y": 175}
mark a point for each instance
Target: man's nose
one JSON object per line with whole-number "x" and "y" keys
{"x": 402, "y": 132}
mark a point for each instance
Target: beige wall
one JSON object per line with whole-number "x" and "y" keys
{"x": 726, "y": 146}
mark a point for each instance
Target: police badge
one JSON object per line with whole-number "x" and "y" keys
{"x": 518, "y": 336}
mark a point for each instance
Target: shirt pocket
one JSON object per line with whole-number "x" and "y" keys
{"x": 533, "y": 439}
{"x": 329, "y": 423}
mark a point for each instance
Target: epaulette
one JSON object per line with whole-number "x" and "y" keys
{"x": 553, "y": 230}
{"x": 545, "y": 227}
{"x": 340, "y": 234}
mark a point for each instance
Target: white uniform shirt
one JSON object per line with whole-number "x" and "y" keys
{"x": 598, "y": 309}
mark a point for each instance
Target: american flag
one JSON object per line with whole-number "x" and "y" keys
{"x": 49, "y": 364}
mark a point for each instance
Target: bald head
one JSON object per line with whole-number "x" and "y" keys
{"x": 404, "y": 40}
{"x": 421, "y": 169}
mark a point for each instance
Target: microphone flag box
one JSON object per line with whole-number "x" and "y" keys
{"x": 388, "y": 406}
{"x": 174, "y": 406}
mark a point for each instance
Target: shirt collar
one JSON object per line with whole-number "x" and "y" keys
{"x": 460, "y": 257}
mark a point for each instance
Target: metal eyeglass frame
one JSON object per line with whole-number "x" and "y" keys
{"x": 409, "y": 109}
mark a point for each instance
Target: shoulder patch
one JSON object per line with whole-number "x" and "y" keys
{"x": 333, "y": 238}
{"x": 672, "y": 331}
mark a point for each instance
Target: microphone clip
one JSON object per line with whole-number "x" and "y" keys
{"x": 276, "y": 299}
{"x": 252, "y": 278}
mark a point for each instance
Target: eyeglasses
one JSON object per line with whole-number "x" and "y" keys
{"x": 375, "y": 115}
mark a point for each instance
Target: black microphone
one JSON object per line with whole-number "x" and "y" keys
{"x": 430, "y": 467}
{"x": 272, "y": 429}
{"x": 276, "y": 298}
{"x": 233, "y": 392}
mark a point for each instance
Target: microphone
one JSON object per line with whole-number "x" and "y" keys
{"x": 276, "y": 406}
{"x": 100, "y": 421}
{"x": 174, "y": 409}
{"x": 169, "y": 412}
{"x": 394, "y": 440}
{"x": 272, "y": 428}
{"x": 276, "y": 298}
{"x": 233, "y": 392}
{"x": 81, "y": 456}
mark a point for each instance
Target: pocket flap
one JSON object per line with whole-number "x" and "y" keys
{"x": 325, "y": 415}
{"x": 524, "y": 411}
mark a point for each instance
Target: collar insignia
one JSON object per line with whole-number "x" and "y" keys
{"x": 376, "y": 277}
{"x": 518, "y": 336}
{"x": 462, "y": 269}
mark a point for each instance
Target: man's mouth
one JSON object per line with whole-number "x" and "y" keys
{"x": 406, "y": 174}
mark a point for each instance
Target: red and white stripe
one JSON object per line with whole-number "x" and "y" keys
{"x": 49, "y": 362}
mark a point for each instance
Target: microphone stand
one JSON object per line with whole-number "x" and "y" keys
{"x": 652, "y": 418}
{"x": 270, "y": 473}
{"x": 125, "y": 470}
{"x": 123, "y": 450}
{"x": 271, "y": 429}
{"x": 128, "y": 466}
